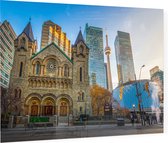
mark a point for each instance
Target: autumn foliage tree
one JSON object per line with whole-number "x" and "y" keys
{"x": 100, "y": 96}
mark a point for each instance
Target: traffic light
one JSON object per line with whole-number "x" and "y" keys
{"x": 147, "y": 88}
{"x": 139, "y": 106}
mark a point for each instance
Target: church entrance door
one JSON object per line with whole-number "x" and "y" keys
{"x": 63, "y": 109}
{"x": 48, "y": 110}
{"x": 34, "y": 110}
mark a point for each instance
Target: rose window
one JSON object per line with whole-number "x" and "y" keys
{"x": 51, "y": 66}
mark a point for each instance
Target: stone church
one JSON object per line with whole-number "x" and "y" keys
{"x": 48, "y": 81}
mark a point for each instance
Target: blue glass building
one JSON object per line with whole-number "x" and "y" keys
{"x": 94, "y": 40}
{"x": 127, "y": 96}
{"x": 124, "y": 57}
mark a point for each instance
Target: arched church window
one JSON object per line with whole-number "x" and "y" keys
{"x": 81, "y": 49}
{"x": 21, "y": 69}
{"x": 19, "y": 93}
{"x": 82, "y": 96}
{"x": 15, "y": 93}
{"x": 78, "y": 98}
{"x": 23, "y": 42}
{"x": 80, "y": 109}
{"x": 66, "y": 71}
{"x": 38, "y": 68}
{"x": 80, "y": 70}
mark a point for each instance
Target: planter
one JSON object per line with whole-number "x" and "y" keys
{"x": 120, "y": 122}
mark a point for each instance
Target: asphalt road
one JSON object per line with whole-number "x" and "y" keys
{"x": 21, "y": 134}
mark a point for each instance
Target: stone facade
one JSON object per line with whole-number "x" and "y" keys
{"x": 48, "y": 82}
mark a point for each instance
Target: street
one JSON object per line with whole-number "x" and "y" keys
{"x": 63, "y": 132}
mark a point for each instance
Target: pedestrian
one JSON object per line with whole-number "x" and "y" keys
{"x": 161, "y": 118}
{"x": 155, "y": 119}
{"x": 150, "y": 119}
{"x": 132, "y": 119}
{"x": 147, "y": 118}
{"x": 144, "y": 118}
{"x": 81, "y": 119}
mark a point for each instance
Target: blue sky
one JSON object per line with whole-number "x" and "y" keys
{"x": 144, "y": 25}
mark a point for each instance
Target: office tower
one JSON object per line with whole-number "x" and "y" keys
{"x": 7, "y": 35}
{"x": 52, "y": 32}
{"x": 109, "y": 78}
{"x": 124, "y": 58}
{"x": 94, "y": 40}
{"x": 157, "y": 77}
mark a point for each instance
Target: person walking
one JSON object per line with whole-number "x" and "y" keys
{"x": 147, "y": 118}
{"x": 132, "y": 119}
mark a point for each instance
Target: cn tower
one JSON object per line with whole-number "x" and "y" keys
{"x": 109, "y": 78}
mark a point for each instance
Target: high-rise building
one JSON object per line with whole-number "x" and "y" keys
{"x": 157, "y": 77}
{"x": 94, "y": 40}
{"x": 109, "y": 78}
{"x": 52, "y": 32}
{"x": 124, "y": 57}
{"x": 7, "y": 36}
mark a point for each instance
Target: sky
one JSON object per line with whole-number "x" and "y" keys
{"x": 144, "y": 25}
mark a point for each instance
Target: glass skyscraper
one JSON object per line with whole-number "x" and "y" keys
{"x": 124, "y": 58}
{"x": 8, "y": 36}
{"x": 94, "y": 40}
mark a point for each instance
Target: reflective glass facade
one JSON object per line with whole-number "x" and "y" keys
{"x": 124, "y": 58}
{"x": 7, "y": 35}
{"x": 94, "y": 40}
{"x": 157, "y": 77}
{"x": 128, "y": 97}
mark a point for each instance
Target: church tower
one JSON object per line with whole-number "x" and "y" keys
{"x": 80, "y": 55}
{"x": 25, "y": 47}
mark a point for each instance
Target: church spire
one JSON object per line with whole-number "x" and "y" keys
{"x": 79, "y": 38}
{"x": 28, "y": 31}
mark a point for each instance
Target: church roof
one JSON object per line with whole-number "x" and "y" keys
{"x": 79, "y": 38}
{"x": 49, "y": 21}
{"x": 55, "y": 47}
{"x": 28, "y": 31}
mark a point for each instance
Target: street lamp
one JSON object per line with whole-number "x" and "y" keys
{"x": 139, "y": 81}
{"x": 139, "y": 94}
{"x": 140, "y": 71}
{"x": 133, "y": 106}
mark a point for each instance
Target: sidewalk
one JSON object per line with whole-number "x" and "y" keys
{"x": 62, "y": 128}
{"x": 65, "y": 132}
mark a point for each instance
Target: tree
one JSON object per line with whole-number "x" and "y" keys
{"x": 123, "y": 112}
{"x": 100, "y": 96}
{"x": 10, "y": 104}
